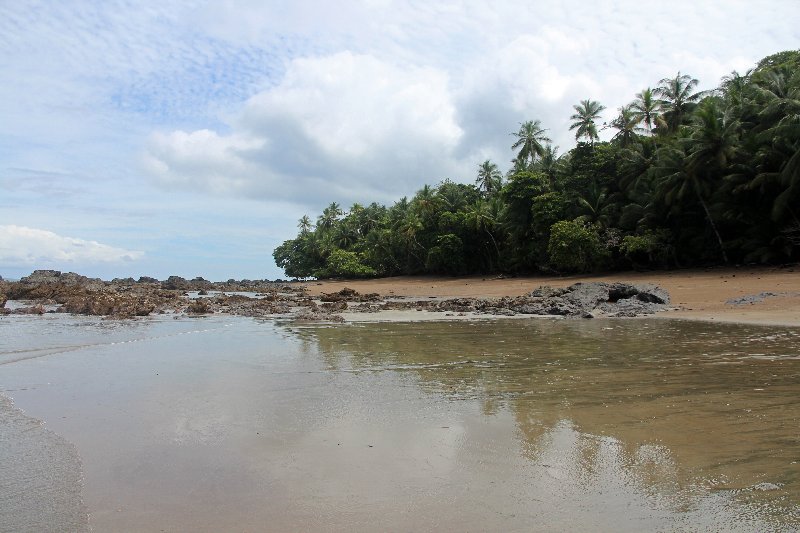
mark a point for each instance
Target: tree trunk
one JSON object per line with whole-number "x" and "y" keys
{"x": 713, "y": 227}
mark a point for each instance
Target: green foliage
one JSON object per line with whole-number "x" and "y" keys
{"x": 575, "y": 247}
{"x": 344, "y": 264}
{"x": 650, "y": 248}
{"x": 299, "y": 257}
{"x": 546, "y": 210}
{"x": 447, "y": 256}
{"x": 691, "y": 177}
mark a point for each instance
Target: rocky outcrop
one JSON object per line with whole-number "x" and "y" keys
{"x": 116, "y": 304}
{"x": 126, "y": 298}
{"x": 349, "y": 295}
{"x": 585, "y": 300}
{"x": 596, "y": 298}
{"x": 55, "y": 276}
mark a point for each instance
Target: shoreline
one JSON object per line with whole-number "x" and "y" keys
{"x": 743, "y": 295}
{"x": 767, "y": 295}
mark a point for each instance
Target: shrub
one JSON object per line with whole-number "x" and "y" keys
{"x": 344, "y": 264}
{"x": 447, "y": 256}
{"x": 649, "y": 249}
{"x": 575, "y": 247}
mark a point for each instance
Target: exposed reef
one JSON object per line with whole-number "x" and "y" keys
{"x": 47, "y": 291}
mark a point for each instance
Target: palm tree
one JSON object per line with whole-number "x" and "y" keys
{"x": 304, "y": 224}
{"x": 585, "y": 114}
{"x": 647, "y": 109}
{"x": 481, "y": 216}
{"x": 626, "y": 124}
{"x": 329, "y": 216}
{"x": 489, "y": 180}
{"x": 597, "y": 205}
{"x": 424, "y": 202}
{"x": 550, "y": 164}
{"x": 529, "y": 141}
{"x": 677, "y": 99}
{"x": 677, "y": 180}
{"x": 714, "y": 141}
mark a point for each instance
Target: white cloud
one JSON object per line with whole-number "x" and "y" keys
{"x": 345, "y": 126}
{"x": 23, "y": 246}
{"x": 201, "y": 159}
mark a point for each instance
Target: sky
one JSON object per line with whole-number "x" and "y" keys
{"x": 187, "y": 138}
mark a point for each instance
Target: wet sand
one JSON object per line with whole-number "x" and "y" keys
{"x": 698, "y": 294}
{"x": 227, "y": 423}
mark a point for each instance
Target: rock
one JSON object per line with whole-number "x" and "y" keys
{"x": 175, "y": 283}
{"x": 147, "y": 279}
{"x": 765, "y": 486}
{"x": 330, "y": 307}
{"x": 109, "y": 304}
{"x": 199, "y": 307}
{"x": 31, "y": 310}
{"x": 348, "y": 295}
{"x": 54, "y": 276}
{"x": 342, "y": 295}
{"x": 3, "y": 300}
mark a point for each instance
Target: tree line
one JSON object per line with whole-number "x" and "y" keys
{"x": 689, "y": 178}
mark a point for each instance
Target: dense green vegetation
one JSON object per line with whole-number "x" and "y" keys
{"x": 689, "y": 178}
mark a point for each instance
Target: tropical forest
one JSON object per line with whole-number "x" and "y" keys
{"x": 690, "y": 178}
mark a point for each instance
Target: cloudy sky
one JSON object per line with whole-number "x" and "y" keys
{"x": 187, "y": 137}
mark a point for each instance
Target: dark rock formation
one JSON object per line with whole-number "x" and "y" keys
{"x": 199, "y": 307}
{"x": 349, "y": 295}
{"x": 175, "y": 283}
{"x": 581, "y": 300}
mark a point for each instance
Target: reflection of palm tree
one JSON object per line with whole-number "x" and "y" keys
{"x": 529, "y": 141}
{"x": 677, "y": 98}
{"x": 585, "y": 114}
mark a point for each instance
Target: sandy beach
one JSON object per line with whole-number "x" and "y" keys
{"x": 705, "y": 294}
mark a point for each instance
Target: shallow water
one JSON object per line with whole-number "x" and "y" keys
{"x": 224, "y": 423}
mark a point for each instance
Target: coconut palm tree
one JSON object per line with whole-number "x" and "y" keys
{"x": 714, "y": 141}
{"x": 550, "y": 164}
{"x": 677, "y": 99}
{"x": 529, "y": 141}
{"x": 304, "y": 224}
{"x": 647, "y": 109}
{"x": 329, "y": 216}
{"x": 585, "y": 114}
{"x": 489, "y": 180}
{"x": 626, "y": 124}
{"x": 481, "y": 216}
{"x": 678, "y": 182}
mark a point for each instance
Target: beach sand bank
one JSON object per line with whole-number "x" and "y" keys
{"x": 752, "y": 295}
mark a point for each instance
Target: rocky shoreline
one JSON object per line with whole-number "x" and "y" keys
{"x": 49, "y": 291}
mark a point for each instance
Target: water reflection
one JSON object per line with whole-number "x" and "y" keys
{"x": 690, "y": 411}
